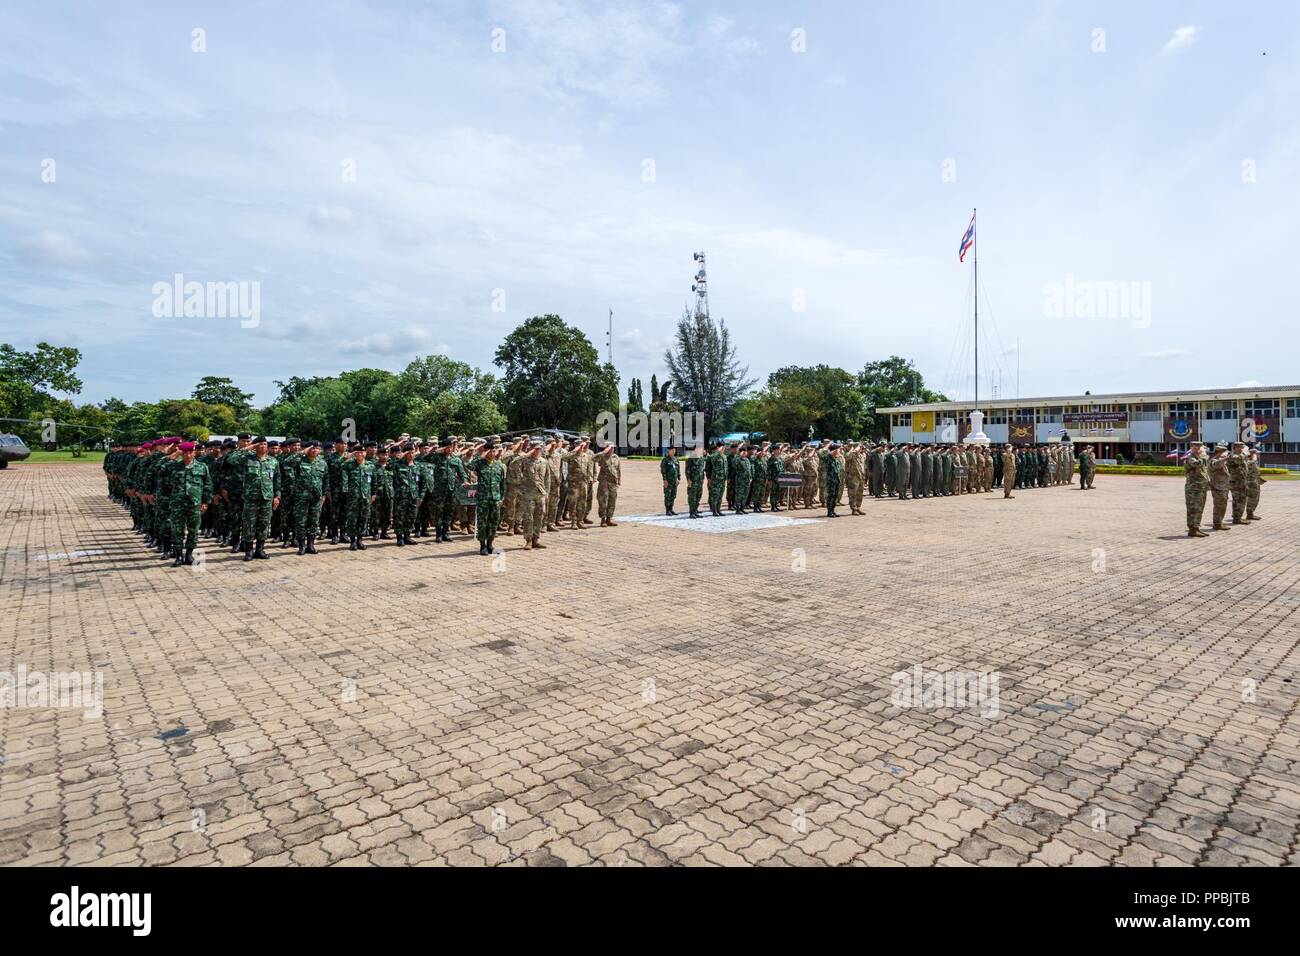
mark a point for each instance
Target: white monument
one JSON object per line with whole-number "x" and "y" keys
{"x": 977, "y": 436}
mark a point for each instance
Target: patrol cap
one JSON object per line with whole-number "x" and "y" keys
{"x": 243, "y": 436}
{"x": 212, "y": 443}
{"x": 1220, "y": 447}
{"x": 311, "y": 444}
{"x": 292, "y": 441}
{"x": 229, "y": 443}
{"x": 259, "y": 439}
{"x": 273, "y": 443}
{"x": 372, "y": 444}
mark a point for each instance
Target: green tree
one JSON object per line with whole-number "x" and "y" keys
{"x": 450, "y": 397}
{"x": 194, "y": 419}
{"x": 706, "y": 376}
{"x": 222, "y": 391}
{"x": 552, "y": 376}
{"x": 788, "y": 408}
{"x": 889, "y": 383}
{"x": 634, "y": 396}
{"x": 839, "y": 400}
{"x": 26, "y": 378}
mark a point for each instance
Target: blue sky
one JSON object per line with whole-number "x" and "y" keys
{"x": 1164, "y": 151}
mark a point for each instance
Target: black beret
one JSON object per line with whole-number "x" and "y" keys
{"x": 259, "y": 439}
{"x": 243, "y": 436}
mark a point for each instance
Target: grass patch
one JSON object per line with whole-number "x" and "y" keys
{"x": 40, "y": 456}
{"x": 1177, "y": 471}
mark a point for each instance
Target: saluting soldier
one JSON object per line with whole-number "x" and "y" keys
{"x": 407, "y": 488}
{"x": 358, "y": 477}
{"x": 310, "y": 478}
{"x": 192, "y": 487}
{"x": 260, "y": 482}
{"x": 1254, "y": 479}
{"x": 490, "y": 477}
{"x": 1008, "y": 471}
{"x": 611, "y": 477}
{"x": 382, "y": 514}
{"x": 1196, "y": 482}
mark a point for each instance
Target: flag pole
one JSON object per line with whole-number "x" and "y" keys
{"x": 976, "y": 250}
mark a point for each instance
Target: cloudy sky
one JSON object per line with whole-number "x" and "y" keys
{"x": 401, "y": 178}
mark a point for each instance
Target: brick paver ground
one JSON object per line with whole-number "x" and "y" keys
{"x": 644, "y": 695}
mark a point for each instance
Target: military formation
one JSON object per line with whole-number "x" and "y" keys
{"x": 245, "y": 492}
{"x": 751, "y": 476}
{"x": 1230, "y": 475}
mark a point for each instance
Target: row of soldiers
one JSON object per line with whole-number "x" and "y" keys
{"x": 1231, "y": 471}
{"x": 244, "y": 491}
{"x": 786, "y": 477}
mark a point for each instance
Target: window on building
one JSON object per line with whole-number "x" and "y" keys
{"x": 1182, "y": 408}
{"x": 1146, "y": 413}
{"x": 996, "y": 416}
{"x": 903, "y": 420}
{"x": 1261, "y": 406}
{"x": 1221, "y": 411}
{"x": 1293, "y": 408}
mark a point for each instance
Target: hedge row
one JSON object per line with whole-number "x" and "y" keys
{"x": 1163, "y": 470}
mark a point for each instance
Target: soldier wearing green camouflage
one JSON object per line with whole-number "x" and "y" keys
{"x": 357, "y": 477}
{"x": 191, "y": 489}
{"x": 310, "y": 476}
{"x": 260, "y": 489}
{"x": 670, "y": 472}
{"x": 490, "y": 488}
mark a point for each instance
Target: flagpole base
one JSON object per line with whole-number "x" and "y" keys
{"x": 976, "y": 435}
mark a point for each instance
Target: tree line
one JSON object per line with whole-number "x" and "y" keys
{"x": 550, "y": 376}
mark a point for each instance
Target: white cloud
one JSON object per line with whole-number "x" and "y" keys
{"x": 311, "y": 325}
{"x": 53, "y": 248}
{"x": 410, "y": 339}
{"x": 807, "y": 249}
{"x": 326, "y": 215}
{"x": 1183, "y": 37}
{"x": 1167, "y": 354}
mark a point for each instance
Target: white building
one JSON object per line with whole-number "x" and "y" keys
{"x": 1131, "y": 425}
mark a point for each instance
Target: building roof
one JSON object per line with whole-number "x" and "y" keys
{"x": 1117, "y": 398}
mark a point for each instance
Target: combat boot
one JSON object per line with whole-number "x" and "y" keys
{"x": 611, "y": 523}
{"x": 352, "y": 546}
{"x": 361, "y": 545}
{"x": 528, "y": 545}
{"x": 177, "y": 561}
{"x": 236, "y": 545}
{"x": 1238, "y": 521}
{"x": 302, "y": 547}
{"x": 189, "y": 556}
{"x": 248, "y": 552}
{"x": 1253, "y": 517}
{"x": 1196, "y": 533}
{"x": 260, "y": 552}
{"x": 311, "y": 544}
{"x": 537, "y": 543}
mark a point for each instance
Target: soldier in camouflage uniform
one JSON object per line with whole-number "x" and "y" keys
{"x": 191, "y": 489}
{"x": 855, "y": 476}
{"x": 534, "y": 476}
{"x": 834, "y": 473}
{"x": 358, "y": 480}
{"x": 310, "y": 476}
{"x": 382, "y": 513}
{"x": 408, "y": 478}
{"x": 260, "y": 491}
{"x": 1254, "y": 479}
{"x": 487, "y": 496}
{"x": 1237, "y": 469}
{"x": 775, "y": 469}
{"x": 670, "y": 472}
{"x": 337, "y": 504}
{"x": 610, "y": 468}
{"x": 1196, "y": 473}
{"x": 696, "y": 466}
{"x": 1220, "y": 483}
{"x": 716, "y": 472}
{"x": 740, "y": 480}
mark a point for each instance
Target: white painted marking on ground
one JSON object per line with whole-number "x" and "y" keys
{"x": 62, "y": 555}
{"x": 727, "y": 524}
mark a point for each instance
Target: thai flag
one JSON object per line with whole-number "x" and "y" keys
{"x": 967, "y": 240}
{"x": 1172, "y": 454}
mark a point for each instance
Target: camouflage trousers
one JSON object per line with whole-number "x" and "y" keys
{"x": 757, "y": 490}
{"x": 488, "y": 517}
{"x": 185, "y": 518}
{"x": 670, "y": 494}
{"x": 1252, "y": 498}
{"x": 255, "y": 524}
{"x": 607, "y": 496}
{"x": 530, "y": 514}
{"x": 306, "y": 516}
{"x": 382, "y": 512}
{"x": 553, "y": 506}
{"x": 855, "y": 493}
{"x": 716, "y": 489}
{"x": 578, "y": 503}
{"x": 774, "y": 493}
{"x": 442, "y": 508}
{"x": 832, "y": 493}
{"x": 741, "y": 499}
{"x": 358, "y": 515}
{"x": 338, "y": 512}
{"x": 1008, "y": 482}
{"x": 1238, "y": 502}
{"x": 1195, "y": 506}
{"x": 404, "y": 513}
{"x": 1220, "y": 496}
{"x": 693, "y": 492}
{"x": 904, "y": 482}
